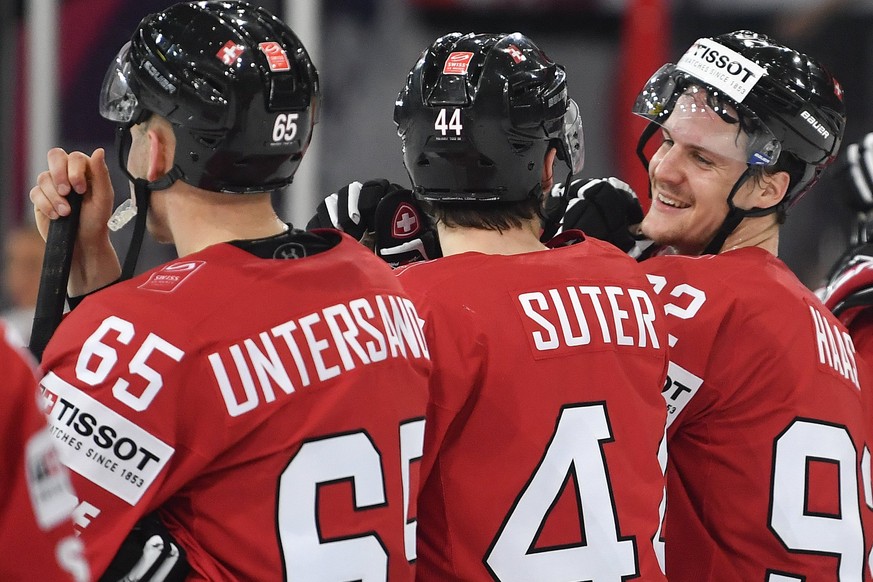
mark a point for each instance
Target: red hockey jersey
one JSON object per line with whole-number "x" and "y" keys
{"x": 767, "y": 426}
{"x": 545, "y": 419}
{"x": 36, "y": 530}
{"x": 271, "y": 409}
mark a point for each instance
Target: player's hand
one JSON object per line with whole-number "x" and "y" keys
{"x": 404, "y": 233}
{"x": 80, "y": 173}
{"x": 352, "y": 209}
{"x": 95, "y": 262}
{"x": 604, "y": 208}
{"x": 148, "y": 554}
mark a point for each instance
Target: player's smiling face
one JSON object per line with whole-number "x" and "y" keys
{"x": 699, "y": 160}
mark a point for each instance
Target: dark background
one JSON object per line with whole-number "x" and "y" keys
{"x": 367, "y": 47}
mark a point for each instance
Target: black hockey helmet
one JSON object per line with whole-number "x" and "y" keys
{"x": 234, "y": 81}
{"x": 789, "y": 104}
{"x": 478, "y": 114}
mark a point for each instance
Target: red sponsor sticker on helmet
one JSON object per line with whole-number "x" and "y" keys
{"x": 457, "y": 63}
{"x": 516, "y": 53}
{"x": 405, "y": 222}
{"x": 171, "y": 276}
{"x": 230, "y": 52}
{"x": 277, "y": 58}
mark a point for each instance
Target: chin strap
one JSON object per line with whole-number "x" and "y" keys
{"x": 641, "y": 145}
{"x": 734, "y": 217}
{"x": 142, "y": 192}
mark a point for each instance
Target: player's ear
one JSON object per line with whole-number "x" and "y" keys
{"x": 548, "y": 178}
{"x": 774, "y": 188}
{"x": 162, "y": 145}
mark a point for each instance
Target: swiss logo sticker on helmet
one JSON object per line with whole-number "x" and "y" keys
{"x": 516, "y": 54}
{"x": 230, "y": 52}
{"x": 405, "y": 222}
{"x": 277, "y": 58}
{"x": 722, "y": 68}
{"x": 457, "y": 63}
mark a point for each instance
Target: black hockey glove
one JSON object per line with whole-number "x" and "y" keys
{"x": 352, "y": 209}
{"x": 148, "y": 554}
{"x": 404, "y": 232}
{"x": 856, "y": 169}
{"x": 604, "y": 208}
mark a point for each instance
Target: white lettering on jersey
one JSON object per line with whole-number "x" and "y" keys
{"x": 319, "y": 345}
{"x": 679, "y": 389}
{"x": 585, "y": 314}
{"x": 47, "y": 481}
{"x": 100, "y": 444}
{"x": 835, "y": 347}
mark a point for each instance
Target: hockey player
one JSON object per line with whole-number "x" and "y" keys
{"x": 36, "y": 530}
{"x": 767, "y": 400}
{"x": 263, "y": 396}
{"x": 545, "y": 416}
{"x": 849, "y": 290}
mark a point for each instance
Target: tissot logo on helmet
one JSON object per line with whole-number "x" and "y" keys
{"x": 721, "y": 67}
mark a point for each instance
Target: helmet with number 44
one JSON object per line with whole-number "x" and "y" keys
{"x": 234, "y": 81}
{"x": 478, "y": 114}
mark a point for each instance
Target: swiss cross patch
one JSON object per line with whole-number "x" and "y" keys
{"x": 457, "y": 63}
{"x": 230, "y": 52}
{"x": 405, "y": 222}
{"x": 170, "y": 276}
{"x": 47, "y": 400}
{"x": 516, "y": 54}
{"x": 838, "y": 90}
{"x": 277, "y": 58}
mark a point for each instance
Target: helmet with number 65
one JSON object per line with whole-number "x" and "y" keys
{"x": 478, "y": 114}
{"x": 234, "y": 81}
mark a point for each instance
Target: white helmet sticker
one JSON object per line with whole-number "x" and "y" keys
{"x": 722, "y": 68}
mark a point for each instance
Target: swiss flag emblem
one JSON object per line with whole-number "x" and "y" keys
{"x": 457, "y": 63}
{"x": 405, "y": 223}
{"x": 516, "y": 54}
{"x": 230, "y": 52}
{"x": 49, "y": 399}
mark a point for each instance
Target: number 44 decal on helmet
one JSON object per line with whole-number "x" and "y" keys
{"x": 454, "y": 123}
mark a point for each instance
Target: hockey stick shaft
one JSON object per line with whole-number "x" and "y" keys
{"x": 56, "y": 264}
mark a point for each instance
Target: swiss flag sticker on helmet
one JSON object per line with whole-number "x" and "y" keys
{"x": 405, "y": 222}
{"x": 516, "y": 54}
{"x": 230, "y": 52}
{"x": 457, "y": 63}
